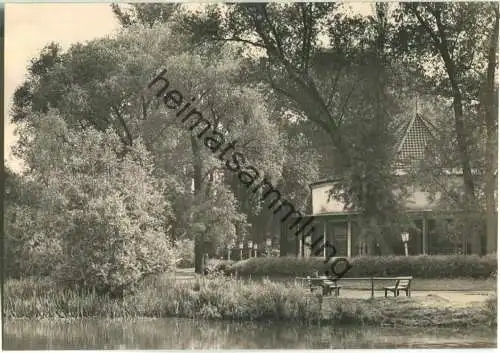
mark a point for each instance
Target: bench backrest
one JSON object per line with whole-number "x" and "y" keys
{"x": 403, "y": 283}
{"x": 315, "y": 281}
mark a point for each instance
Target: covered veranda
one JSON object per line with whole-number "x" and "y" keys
{"x": 342, "y": 231}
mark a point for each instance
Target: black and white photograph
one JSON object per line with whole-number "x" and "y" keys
{"x": 269, "y": 175}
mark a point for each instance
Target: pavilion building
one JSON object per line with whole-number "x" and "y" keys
{"x": 338, "y": 226}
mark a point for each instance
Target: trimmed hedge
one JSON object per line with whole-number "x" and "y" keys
{"x": 422, "y": 266}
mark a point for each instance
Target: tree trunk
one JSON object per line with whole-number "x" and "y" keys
{"x": 490, "y": 189}
{"x": 198, "y": 254}
{"x": 490, "y": 115}
{"x": 463, "y": 149}
{"x": 440, "y": 42}
{"x": 474, "y": 238}
{"x": 475, "y": 235}
{"x": 197, "y": 177}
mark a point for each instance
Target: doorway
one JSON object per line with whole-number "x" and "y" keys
{"x": 336, "y": 234}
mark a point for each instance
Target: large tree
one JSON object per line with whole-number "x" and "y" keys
{"x": 105, "y": 86}
{"x": 264, "y": 224}
{"x": 98, "y": 221}
{"x": 454, "y": 45}
{"x": 329, "y": 68}
{"x": 146, "y": 14}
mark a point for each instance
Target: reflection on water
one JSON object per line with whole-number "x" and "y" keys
{"x": 195, "y": 334}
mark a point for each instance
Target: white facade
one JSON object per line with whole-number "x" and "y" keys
{"x": 320, "y": 202}
{"x": 417, "y": 201}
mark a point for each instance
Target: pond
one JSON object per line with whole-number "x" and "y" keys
{"x": 175, "y": 333}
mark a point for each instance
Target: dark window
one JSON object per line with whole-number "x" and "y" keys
{"x": 337, "y": 235}
{"x": 441, "y": 240}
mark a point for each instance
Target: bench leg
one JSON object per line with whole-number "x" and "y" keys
{"x": 325, "y": 291}
{"x": 396, "y": 291}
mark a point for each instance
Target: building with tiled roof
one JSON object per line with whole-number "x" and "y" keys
{"x": 338, "y": 225}
{"x": 414, "y": 137}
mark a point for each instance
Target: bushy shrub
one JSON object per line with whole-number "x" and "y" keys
{"x": 111, "y": 208}
{"x": 217, "y": 298}
{"x": 423, "y": 266}
{"x": 278, "y": 266}
{"x": 490, "y": 310}
{"x": 218, "y": 267}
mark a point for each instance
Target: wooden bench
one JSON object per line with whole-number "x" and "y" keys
{"x": 402, "y": 284}
{"x": 329, "y": 286}
{"x": 326, "y": 285}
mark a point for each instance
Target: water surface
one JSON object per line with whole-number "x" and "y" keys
{"x": 174, "y": 333}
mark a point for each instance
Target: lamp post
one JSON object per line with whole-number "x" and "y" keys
{"x": 405, "y": 236}
{"x": 241, "y": 250}
{"x": 250, "y": 243}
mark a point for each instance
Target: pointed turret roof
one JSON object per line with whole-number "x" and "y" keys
{"x": 414, "y": 137}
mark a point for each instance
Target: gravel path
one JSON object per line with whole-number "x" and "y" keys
{"x": 450, "y": 297}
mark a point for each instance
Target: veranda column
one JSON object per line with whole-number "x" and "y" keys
{"x": 424, "y": 235}
{"x": 324, "y": 238}
{"x": 300, "y": 247}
